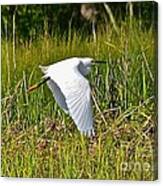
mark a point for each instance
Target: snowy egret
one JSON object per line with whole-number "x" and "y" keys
{"x": 71, "y": 90}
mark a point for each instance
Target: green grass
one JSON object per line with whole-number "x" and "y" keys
{"x": 39, "y": 140}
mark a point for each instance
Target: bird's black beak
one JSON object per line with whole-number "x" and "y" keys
{"x": 98, "y": 62}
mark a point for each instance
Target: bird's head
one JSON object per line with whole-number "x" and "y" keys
{"x": 86, "y": 63}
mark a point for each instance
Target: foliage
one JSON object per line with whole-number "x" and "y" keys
{"x": 39, "y": 140}
{"x": 35, "y": 20}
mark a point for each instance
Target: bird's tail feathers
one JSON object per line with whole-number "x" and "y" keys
{"x": 43, "y": 68}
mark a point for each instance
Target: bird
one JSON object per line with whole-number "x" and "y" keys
{"x": 71, "y": 89}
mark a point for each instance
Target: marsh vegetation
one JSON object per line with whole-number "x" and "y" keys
{"x": 40, "y": 140}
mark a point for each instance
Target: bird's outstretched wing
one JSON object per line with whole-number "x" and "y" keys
{"x": 58, "y": 95}
{"x": 78, "y": 98}
{"x": 75, "y": 96}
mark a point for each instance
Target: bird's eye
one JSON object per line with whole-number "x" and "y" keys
{"x": 92, "y": 62}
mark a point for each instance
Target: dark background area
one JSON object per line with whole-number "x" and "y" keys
{"x": 33, "y": 21}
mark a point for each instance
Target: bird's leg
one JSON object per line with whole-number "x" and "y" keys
{"x": 37, "y": 85}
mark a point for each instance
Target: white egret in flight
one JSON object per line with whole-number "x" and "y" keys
{"x": 71, "y": 90}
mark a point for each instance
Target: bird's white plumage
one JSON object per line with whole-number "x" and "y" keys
{"x": 58, "y": 95}
{"x": 72, "y": 90}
